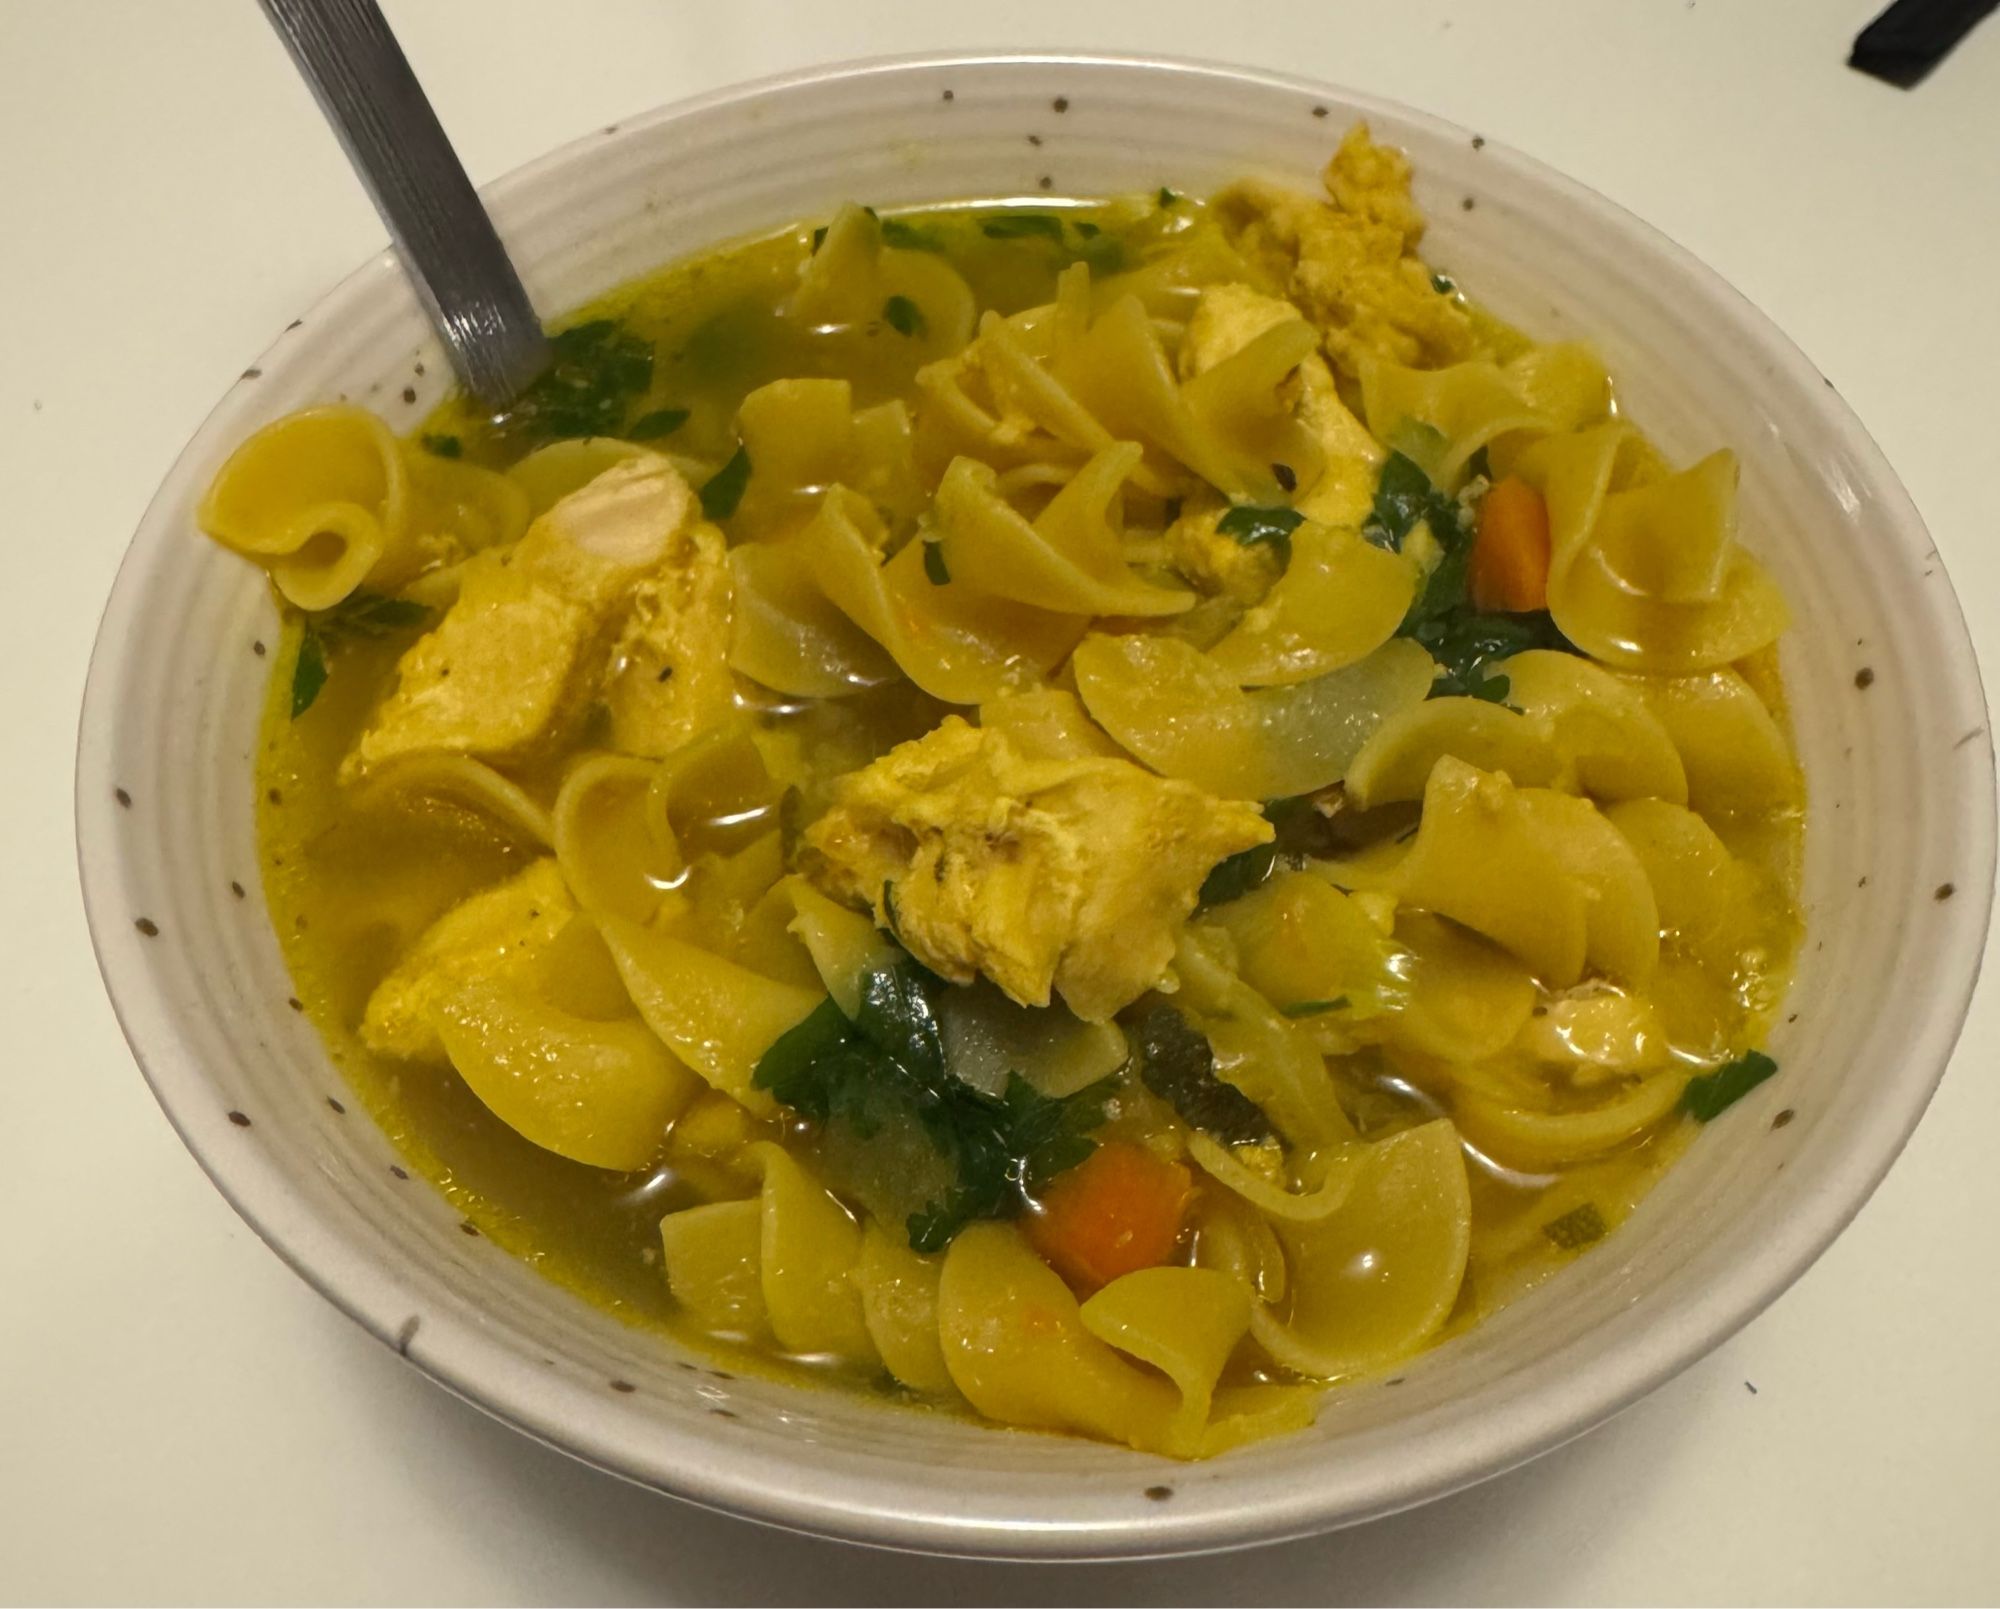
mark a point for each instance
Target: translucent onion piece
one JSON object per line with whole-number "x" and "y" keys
{"x": 1175, "y": 709}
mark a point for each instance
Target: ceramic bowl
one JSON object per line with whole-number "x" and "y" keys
{"x": 1890, "y": 720}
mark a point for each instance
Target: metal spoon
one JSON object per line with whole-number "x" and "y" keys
{"x": 363, "y": 83}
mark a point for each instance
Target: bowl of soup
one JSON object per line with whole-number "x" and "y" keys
{"x": 1146, "y": 808}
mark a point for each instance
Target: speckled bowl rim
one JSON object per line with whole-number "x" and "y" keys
{"x": 701, "y": 1468}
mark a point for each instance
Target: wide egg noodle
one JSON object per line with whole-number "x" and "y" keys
{"x": 328, "y": 500}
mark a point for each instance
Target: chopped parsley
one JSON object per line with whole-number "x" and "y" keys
{"x": 934, "y": 565}
{"x": 1709, "y": 1095}
{"x": 1577, "y": 1228}
{"x": 887, "y": 1068}
{"x": 1176, "y": 1064}
{"x": 723, "y": 490}
{"x": 1444, "y": 284}
{"x": 904, "y": 316}
{"x": 1168, "y": 198}
{"x": 652, "y": 426}
{"x": 360, "y": 615}
{"x": 1262, "y": 527}
{"x": 442, "y": 446}
{"x": 597, "y": 370}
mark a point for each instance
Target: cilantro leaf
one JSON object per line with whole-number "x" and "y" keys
{"x": 1709, "y": 1095}
{"x": 1167, "y": 197}
{"x": 1403, "y": 496}
{"x": 904, "y": 316}
{"x": 1176, "y": 1064}
{"x": 1270, "y": 527}
{"x": 935, "y": 568}
{"x": 723, "y": 490}
{"x": 442, "y": 446}
{"x": 308, "y": 671}
{"x": 660, "y": 422}
{"x": 888, "y": 1068}
{"x": 1464, "y": 641}
{"x": 365, "y": 615}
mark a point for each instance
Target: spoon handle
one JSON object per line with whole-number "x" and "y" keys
{"x": 363, "y": 83}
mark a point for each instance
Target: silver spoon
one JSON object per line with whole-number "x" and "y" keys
{"x": 363, "y": 83}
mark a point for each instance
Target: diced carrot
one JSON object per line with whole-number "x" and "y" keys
{"x": 1510, "y": 554}
{"x": 1117, "y": 1211}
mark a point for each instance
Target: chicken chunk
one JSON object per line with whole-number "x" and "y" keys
{"x": 515, "y": 657}
{"x": 494, "y": 935}
{"x": 1228, "y": 318}
{"x": 1350, "y": 262}
{"x": 1071, "y": 875}
{"x": 670, "y": 678}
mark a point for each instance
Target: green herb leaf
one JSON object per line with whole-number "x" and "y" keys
{"x": 819, "y": 239}
{"x": 1270, "y": 527}
{"x": 1466, "y": 644}
{"x": 1577, "y": 1228}
{"x": 652, "y": 426}
{"x": 442, "y": 446}
{"x": 365, "y": 615}
{"x": 1709, "y": 1095}
{"x": 1176, "y": 1064}
{"x": 1085, "y": 229}
{"x": 888, "y": 1069}
{"x": 1444, "y": 284}
{"x": 934, "y": 565}
{"x": 1403, "y": 496}
{"x": 906, "y": 236}
{"x": 904, "y": 316}
{"x": 308, "y": 672}
{"x": 597, "y": 370}
{"x": 1314, "y": 1008}
{"x": 1022, "y": 226}
{"x": 724, "y": 489}
{"x": 1168, "y": 197}
{"x": 1299, "y": 833}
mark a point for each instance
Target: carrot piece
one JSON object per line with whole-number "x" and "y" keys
{"x": 1510, "y": 554}
{"x": 1118, "y": 1210}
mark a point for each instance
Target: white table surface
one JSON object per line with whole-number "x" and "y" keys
{"x": 182, "y": 1419}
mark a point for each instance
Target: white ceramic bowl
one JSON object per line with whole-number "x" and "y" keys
{"x": 1891, "y": 725}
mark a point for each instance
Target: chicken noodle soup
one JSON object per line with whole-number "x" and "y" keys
{"x": 1099, "y": 816}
